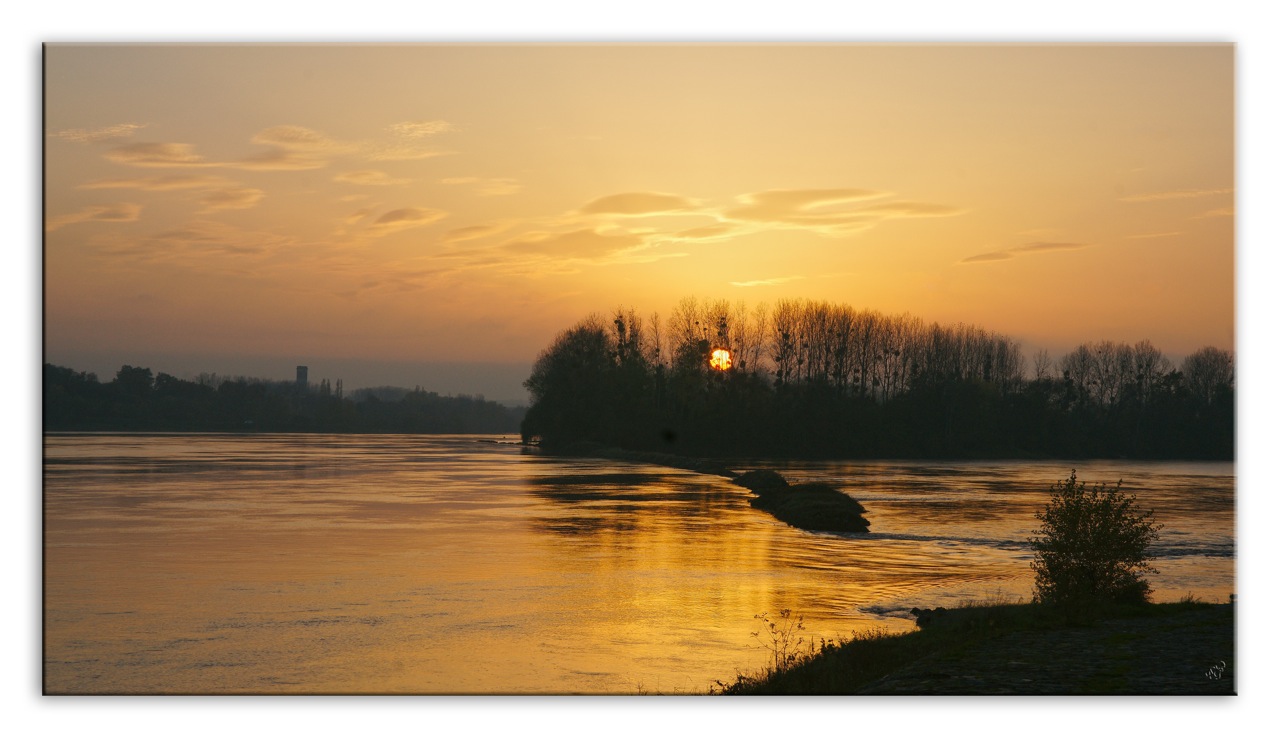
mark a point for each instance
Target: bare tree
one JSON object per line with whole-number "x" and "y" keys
{"x": 1042, "y": 365}
{"x": 1209, "y": 371}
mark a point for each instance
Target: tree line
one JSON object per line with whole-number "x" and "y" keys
{"x": 816, "y": 379}
{"x": 137, "y": 400}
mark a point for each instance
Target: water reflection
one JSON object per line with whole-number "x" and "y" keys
{"x": 455, "y": 564}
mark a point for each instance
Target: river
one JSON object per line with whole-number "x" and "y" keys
{"x": 212, "y": 563}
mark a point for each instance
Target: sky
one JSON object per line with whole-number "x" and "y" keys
{"x": 412, "y": 214}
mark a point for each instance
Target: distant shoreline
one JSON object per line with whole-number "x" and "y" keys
{"x": 720, "y": 465}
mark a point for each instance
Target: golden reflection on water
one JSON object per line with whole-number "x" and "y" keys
{"x": 388, "y": 564}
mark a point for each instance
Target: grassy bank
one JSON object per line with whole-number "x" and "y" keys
{"x": 1174, "y": 648}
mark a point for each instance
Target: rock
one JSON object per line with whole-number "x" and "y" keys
{"x": 815, "y": 507}
{"x": 761, "y": 480}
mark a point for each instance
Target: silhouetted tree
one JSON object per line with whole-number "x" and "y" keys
{"x": 1092, "y": 547}
{"x": 819, "y": 379}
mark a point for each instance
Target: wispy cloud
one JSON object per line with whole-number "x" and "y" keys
{"x": 279, "y": 160}
{"x": 469, "y": 233}
{"x": 300, "y": 138}
{"x": 96, "y": 135}
{"x": 766, "y": 282}
{"x": 408, "y": 142}
{"x": 291, "y": 148}
{"x": 402, "y": 219}
{"x": 403, "y": 152}
{"x": 295, "y": 147}
{"x": 1175, "y": 195}
{"x": 231, "y": 198}
{"x": 123, "y": 212}
{"x": 638, "y": 204}
{"x": 1153, "y": 235}
{"x": 829, "y": 211}
{"x": 191, "y": 246}
{"x": 420, "y": 128}
{"x": 1227, "y": 212}
{"x": 1041, "y": 246}
{"x": 705, "y": 233}
{"x": 160, "y": 184}
{"x": 989, "y": 256}
{"x": 486, "y": 187}
{"x": 1026, "y": 248}
{"x": 370, "y": 177}
{"x": 156, "y": 155}
{"x": 801, "y": 207}
{"x": 358, "y": 216}
{"x": 910, "y": 210}
{"x": 585, "y": 243}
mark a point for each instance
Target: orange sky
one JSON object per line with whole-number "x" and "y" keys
{"x": 463, "y": 203}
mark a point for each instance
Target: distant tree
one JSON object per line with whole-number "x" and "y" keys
{"x": 1042, "y": 364}
{"x": 1092, "y": 547}
{"x": 1209, "y": 373}
{"x": 133, "y": 381}
{"x": 569, "y": 384}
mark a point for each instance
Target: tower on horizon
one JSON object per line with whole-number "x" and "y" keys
{"x": 302, "y": 377}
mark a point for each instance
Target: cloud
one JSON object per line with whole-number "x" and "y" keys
{"x": 705, "y": 233}
{"x": 1047, "y": 246}
{"x": 799, "y": 207}
{"x": 1227, "y": 212}
{"x": 123, "y": 212}
{"x": 95, "y": 135}
{"x": 421, "y": 128}
{"x": 297, "y": 138}
{"x": 486, "y": 187}
{"x": 766, "y": 282}
{"x": 402, "y": 152}
{"x": 293, "y": 148}
{"x": 911, "y": 210}
{"x": 828, "y": 211}
{"x": 989, "y": 256}
{"x": 231, "y": 198}
{"x": 586, "y": 243}
{"x": 278, "y": 160}
{"x": 638, "y": 204}
{"x": 402, "y": 219}
{"x": 1026, "y": 248}
{"x": 369, "y": 177}
{"x": 160, "y": 184}
{"x": 192, "y": 244}
{"x": 156, "y": 155}
{"x": 469, "y": 233}
{"x": 358, "y": 216}
{"x": 1154, "y": 235}
{"x": 1174, "y": 195}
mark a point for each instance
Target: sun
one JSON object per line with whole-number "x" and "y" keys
{"x": 721, "y": 360}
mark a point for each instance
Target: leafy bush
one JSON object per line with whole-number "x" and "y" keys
{"x": 1092, "y": 547}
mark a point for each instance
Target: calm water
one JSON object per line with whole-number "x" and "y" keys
{"x": 458, "y": 564}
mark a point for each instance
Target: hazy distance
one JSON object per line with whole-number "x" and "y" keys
{"x": 497, "y": 381}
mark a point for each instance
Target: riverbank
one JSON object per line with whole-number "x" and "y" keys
{"x": 1185, "y": 648}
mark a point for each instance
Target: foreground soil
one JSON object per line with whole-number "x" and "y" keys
{"x": 1175, "y": 649}
{"x": 1191, "y": 652}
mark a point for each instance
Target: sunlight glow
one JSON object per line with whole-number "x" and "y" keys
{"x": 721, "y": 360}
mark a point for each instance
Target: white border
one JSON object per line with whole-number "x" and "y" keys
{"x": 1245, "y": 23}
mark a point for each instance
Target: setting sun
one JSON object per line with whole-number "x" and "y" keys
{"x": 721, "y": 359}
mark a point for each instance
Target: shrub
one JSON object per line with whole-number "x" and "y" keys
{"x": 1092, "y": 547}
